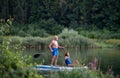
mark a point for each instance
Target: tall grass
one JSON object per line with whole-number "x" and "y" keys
{"x": 81, "y": 74}
{"x": 114, "y": 42}
{"x": 77, "y": 74}
{"x": 68, "y": 38}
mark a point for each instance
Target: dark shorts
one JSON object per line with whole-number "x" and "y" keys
{"x": 55, "y": 52}
{"x": 68, "y": 61}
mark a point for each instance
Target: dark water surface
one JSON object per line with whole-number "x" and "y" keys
{"x": 107, "y": 57}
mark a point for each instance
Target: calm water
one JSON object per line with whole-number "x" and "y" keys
{"x": 106, "y": 57}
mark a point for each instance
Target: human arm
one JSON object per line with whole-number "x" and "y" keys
{"x": 50, "y": 46}
{"x": 63, "y": 63}
{"x": 60, "y": 47}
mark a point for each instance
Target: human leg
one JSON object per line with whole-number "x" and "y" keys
{"x": 55, "y": 54}
{"x": 53, "y": 59}
{"x": 70, "y": 65}
{"x": 56, "y": 60}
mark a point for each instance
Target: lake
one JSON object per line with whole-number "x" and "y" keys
{"x": 107, "y": 57}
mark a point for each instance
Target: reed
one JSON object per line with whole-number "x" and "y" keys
{"x": 68, "y": 38}
{"x": 114, "y": 42}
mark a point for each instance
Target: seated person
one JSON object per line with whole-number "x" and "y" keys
{"x": 68, "y": 61}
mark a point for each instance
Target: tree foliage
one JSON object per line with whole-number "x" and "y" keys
{"x": 87, "y": 14}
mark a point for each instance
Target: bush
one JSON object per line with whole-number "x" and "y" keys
{"x": 50, "y": 26}
{"x": 22, "y": 33}
{"x": 114, "y": 36}
{"x": 72, "y": 38}
{"x": 13, "y": 64}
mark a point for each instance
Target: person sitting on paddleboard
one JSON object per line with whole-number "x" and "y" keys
{"x": 68, "y": 61}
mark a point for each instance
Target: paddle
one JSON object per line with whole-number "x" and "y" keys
{"x": 36, "y": 55}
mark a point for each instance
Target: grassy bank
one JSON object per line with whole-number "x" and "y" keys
{"x": 67, "y": 41}
{"x": 114, "y": 42}
{"x": 68, "y": 38}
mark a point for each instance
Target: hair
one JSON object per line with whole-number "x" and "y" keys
{"x": 55, "y": 36}
{"x": 66, "y": 54}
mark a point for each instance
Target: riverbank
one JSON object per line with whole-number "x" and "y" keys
{"x": 70, "y": 41}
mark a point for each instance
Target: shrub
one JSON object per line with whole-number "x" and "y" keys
{"x": 72, "y": 38}
{"x": 114, "y": 36}
{"x": 13, "y": 64}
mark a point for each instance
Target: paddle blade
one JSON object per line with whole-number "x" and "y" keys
{"x": 36, "y": 55}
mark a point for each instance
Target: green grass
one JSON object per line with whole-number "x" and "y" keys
{"x": 68, "y": 38}
{"x": 82, "y": 73}
{"x": 114, "y": 42}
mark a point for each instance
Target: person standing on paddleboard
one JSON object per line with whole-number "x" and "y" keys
{"x": 53, "y": 46}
